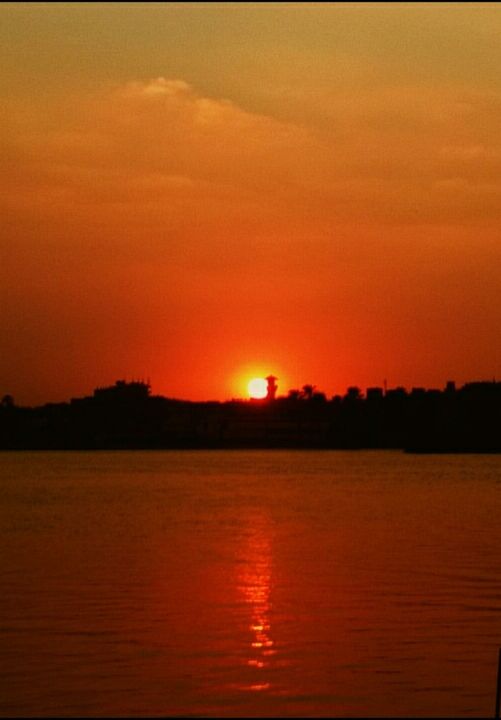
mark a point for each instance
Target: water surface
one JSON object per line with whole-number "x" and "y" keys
{"x": 249, "y": 583}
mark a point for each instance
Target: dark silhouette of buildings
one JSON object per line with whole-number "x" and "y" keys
{"x": 127, "y": 415}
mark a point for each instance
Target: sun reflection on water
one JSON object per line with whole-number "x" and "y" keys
{"x": 255, "y": 586}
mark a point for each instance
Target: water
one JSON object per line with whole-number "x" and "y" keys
{"x": 249, "y": 583}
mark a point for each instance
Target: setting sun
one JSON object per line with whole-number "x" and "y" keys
{"x": 258, "y": 388}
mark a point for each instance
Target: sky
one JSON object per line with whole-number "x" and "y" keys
{"x": 196, "y": 194}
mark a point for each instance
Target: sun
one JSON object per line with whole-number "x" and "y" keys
{"x": 258, "y": 388}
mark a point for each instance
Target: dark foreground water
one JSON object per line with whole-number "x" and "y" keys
{"x": 249, "y": 583}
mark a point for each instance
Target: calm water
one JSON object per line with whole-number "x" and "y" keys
{"x": 249, "y": 583}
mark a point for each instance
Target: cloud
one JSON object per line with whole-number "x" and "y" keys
{"x": 164, "y": 128}
{"x": 162, "y": 152}
{"x": 157, "y": 87}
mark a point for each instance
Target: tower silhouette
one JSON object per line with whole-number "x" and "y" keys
{"x": 272, "y": 387}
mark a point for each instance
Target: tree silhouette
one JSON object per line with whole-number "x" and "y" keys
{"x": 307, "y": 391}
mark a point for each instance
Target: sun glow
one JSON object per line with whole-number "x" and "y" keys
{"x": 258, "y": 388}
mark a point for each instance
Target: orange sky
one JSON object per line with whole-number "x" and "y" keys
{"x": 199, "y": 193}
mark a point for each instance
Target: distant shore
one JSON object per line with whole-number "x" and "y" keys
{"x": 127, "y": 416}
